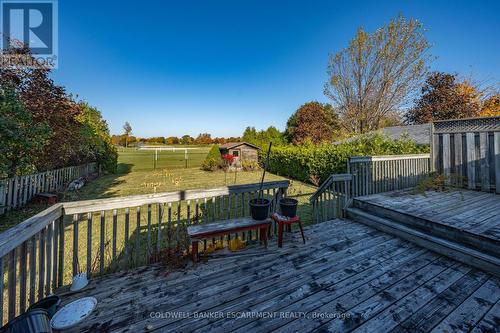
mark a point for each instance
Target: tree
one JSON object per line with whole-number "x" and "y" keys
{"x": 249, "y": 135}
{"x": 127, "y": 129}
{"x": 172, "y": 140}
{"x": 96, "y": 144}
{"x": 48, "y": 104}
{"x": 442, "y": 97}
{"x": 313, "y": 122}
{"x": 491, "y": 106}
{"x": 377, "y": 73}
{"x": 213, "y": 159}
{"x": 203, "y": 139}
{"x": 187, "y": 140}
{"x": 263, "y": 137}
{"x": 22, "y": 139}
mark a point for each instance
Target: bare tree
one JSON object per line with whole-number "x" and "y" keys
{"x": 127, "y": 129}
{"x": 378, "y": 74}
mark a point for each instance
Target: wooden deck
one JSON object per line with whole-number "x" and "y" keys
{"x": 347, "y": 277}
{"x": 474, "y": 212}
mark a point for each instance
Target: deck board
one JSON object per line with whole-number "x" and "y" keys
{"x": 344, "y": 268}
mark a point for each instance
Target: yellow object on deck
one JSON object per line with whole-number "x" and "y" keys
{"x": 236, "y": 244}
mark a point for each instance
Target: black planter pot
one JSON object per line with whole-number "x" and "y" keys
{"x": 288, "y": 207}
{"x": 50, "y": 303}
{"x": 259, "y": 208}
{"x": 33, "y": 321}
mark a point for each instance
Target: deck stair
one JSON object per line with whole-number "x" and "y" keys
{"x": 454, "y": 241}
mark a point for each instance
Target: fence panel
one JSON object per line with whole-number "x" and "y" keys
{"x": 18, "y": 191}
{"x": 467, "y": 151}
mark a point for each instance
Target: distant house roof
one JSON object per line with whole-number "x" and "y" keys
{"x": 419, "y": 133}
{"x": 231, "y": 145}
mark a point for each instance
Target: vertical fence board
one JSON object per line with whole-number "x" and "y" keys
{"x": 102, "y": 233}
{"x": 496, "y": 157}
{"x": 485, "y": 163}
{"x": 458, "y": 159}
{"x": 60, "y": 266}
{"x": 471, "y": 160}
{"x": 41, "y": 263}
{"x": 158, "y": 240}
{"x": 55, "y": 251}
{"x": 125, "y": 244}
{"x": 22, "y": 277}
{"x": 32, "y": 260}
{"x": 48, "y": 257}
{"x": 76, "y": 265}
{"x": 114, "y": 236}
{"x": 89, "y": 244}
{"x": 12, "y": 284}
{"x": 149, "y": 230}
{"x": 137, "y": 235}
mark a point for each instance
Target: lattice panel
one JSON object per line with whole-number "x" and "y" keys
{"x": 486, "y": 124}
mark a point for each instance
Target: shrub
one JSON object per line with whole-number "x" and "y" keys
{"x": 249, "y": 165}
{"x": 213, "y": 160}
{"x": 307, "y": 162}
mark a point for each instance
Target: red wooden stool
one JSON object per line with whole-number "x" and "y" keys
{"x": 288, "y": 221}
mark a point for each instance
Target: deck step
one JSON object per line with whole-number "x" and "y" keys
{"x": 434, "y": 228}
{"x": 452, "y": 249}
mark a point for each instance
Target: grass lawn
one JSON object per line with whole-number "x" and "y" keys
{"x": 132, "y": 159}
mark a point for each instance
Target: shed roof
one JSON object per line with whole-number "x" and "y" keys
{"x": 230, "y": 145}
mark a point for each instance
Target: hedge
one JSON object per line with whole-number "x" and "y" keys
{"x": 307, "y": 162}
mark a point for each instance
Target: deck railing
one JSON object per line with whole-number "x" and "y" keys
{"x": 99, "y": 236}
{"x": 376, "y": 174}
{"x": 17, "y": 191}
{"x": 367, "y": 175}
{"x": 332, "y": 197}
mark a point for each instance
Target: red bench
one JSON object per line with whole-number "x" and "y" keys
{"x": 210, "y": 230}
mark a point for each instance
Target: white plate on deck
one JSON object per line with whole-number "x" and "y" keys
{"x": 73, "y": 313}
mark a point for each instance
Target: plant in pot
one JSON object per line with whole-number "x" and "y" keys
{"x": 259, "y": 207}
{"x": 288, "y": 206}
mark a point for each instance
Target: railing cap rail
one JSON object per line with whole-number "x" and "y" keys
{"x": 18, "y": 234}
{"x": 333, "y": 178}
{"x": 87, "y": 206}
{"x": 358, "y": 159}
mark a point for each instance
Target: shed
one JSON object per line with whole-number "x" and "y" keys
{"x": 242, "y": 151}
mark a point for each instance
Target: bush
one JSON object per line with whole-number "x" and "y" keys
{"x": 210, "y": 164}
{"x": 307, "y": 162}
{"x": 213, "y": 160}
{"x": 249, "y": 165}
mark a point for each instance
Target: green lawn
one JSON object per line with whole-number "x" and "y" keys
{"x": 132, "y": 159}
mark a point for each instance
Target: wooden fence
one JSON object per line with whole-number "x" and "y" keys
{"x": 99, "y": 236}
{"x": 367, "y": 175}
{"x": 16, "y": 192}
{"x": 467, "y": 152}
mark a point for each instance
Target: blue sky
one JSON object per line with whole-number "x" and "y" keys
{"x": 185, "y": 67}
